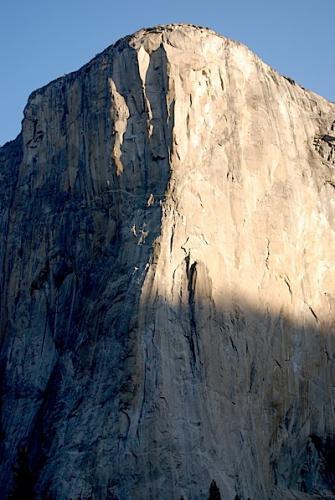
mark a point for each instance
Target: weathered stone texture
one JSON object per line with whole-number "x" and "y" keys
{"x": 168, "y": 279}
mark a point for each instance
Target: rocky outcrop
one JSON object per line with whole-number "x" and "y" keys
{"x": 168, "y": 280}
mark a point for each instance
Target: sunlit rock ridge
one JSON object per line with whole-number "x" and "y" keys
{"x": 167, "y": 279}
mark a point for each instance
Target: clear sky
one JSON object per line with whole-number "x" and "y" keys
{"x": 41, "y": 40}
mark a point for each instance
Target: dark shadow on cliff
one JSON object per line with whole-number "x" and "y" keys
{"x": 249, "y": 370}
{"x": 96, "y": 248}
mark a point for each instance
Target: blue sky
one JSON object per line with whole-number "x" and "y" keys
{"x": 41, "y": 40}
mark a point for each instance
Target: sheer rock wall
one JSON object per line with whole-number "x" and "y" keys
{"x": 168, "y": 280}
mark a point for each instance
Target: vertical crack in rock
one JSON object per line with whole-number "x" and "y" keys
{"x": 191, "y": 272}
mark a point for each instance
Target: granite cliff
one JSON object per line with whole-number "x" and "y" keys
{"x": 168, "y": 280}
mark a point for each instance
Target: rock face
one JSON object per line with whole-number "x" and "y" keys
{"x": 168, "y": 280}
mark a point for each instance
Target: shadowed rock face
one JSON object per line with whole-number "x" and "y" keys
{"x": 168, "y": 280}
